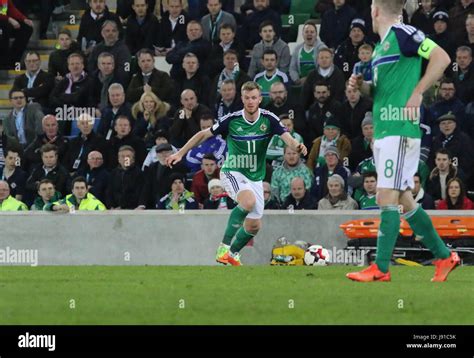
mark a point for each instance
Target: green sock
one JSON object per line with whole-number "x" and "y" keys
{"x": 241, "y": 239}
{"x": 387, "y": 236}
{"x": 236, "y": 219}
{"x": 422, "y": 226}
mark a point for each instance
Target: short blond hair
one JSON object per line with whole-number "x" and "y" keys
{"x": 391, "y": 7}
{"x": 250, "y": 86}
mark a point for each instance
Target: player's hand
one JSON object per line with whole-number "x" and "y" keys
{"x": 301, "y": 148}
{"x": 173, "y": 159}
{"x": 412, "y": 108}
{"x": 356, "y": 81}
{"x": 28, "y": 22}
{"x": 14, "y": 23}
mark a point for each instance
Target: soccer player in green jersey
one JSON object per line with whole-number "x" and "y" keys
{"x": 248, "y": 133}
{"x": 397, "y": 88}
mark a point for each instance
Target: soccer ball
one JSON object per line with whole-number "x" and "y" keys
{"x": 316, "y": 255}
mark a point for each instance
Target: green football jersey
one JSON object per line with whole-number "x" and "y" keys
{"x": 396, "y": 68}
{"x": 306, "y": 61}
{"x": 247, "y": 142}
{"x": 266, "y": 83}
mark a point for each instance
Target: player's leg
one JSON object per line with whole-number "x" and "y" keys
{"x": 389, "y": 158}
{"x": 422, "y": 226}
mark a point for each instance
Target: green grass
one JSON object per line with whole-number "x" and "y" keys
{"x": 228, "y": 295}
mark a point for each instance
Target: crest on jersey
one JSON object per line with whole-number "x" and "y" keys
{"x": 386, "y": 46}
{"x": 263, "y": 127}
{"x": 419, "y": 36}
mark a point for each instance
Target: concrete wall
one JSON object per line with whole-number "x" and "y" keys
{"x": 159, "y": 237}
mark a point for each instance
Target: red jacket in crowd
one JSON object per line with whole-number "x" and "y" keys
{"x": 466, "y": 205}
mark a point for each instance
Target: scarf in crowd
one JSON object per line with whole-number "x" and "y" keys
{"x": 224, "y": 76}
{"x": 3, "y": 7}
{"x": 336, "y": 199}
{"x": 71, "y": 81}
{"x": 446, "y": 140}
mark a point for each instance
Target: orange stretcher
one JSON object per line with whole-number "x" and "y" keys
{"x": 448, "y": 227}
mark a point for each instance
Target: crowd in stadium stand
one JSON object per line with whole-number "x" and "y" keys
{"x": 93, "y": 131}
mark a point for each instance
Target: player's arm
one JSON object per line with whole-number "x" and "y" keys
{"x": 293, "y": 143}
{"x": 195, "y": 140}
{"x": 357, "y": 82}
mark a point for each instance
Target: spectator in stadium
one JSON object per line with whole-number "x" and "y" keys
{"x": 74, "y": 90}
{"x": 441, "y": 174}
{"x": 299, "y": 197}
{"x": 151, "y": 114}
{"x": 125, "y": 181}
{"x": 13, "y": 174}
{"x": 354, "y": 111}
{"x": 212, "y": 22}
{"x": 457, "y": 142}
{"x": 97, "y": 177}
{"x": 159, "y": 137}
{"x": 124, "y": 137}
{"x": 327, "y": 72}
{"x": 270, "y": 75}
{"x": 419, "y": 194}
{"x": 231, "y": 71}
{"x": 276, "y": 147}
{"x": 8, "y": 202}
{"x": 112, "y": 44}
{"x": 35, "y": 83}
{"x": 13, "y": 25}
{"x": 229, "y": 101}
{"x": 447, "y": 102}
{"x": 335, "y": 23}
{"x": 456, "y": 198}
{"x": 192, "y": 76}
{"x": 360, "y": 145}
{"x": 464, "y": 76}
{"x": 422, "y": 18}
{"x": 84, "y": 143}
{"x": 324, "y": 107}
{"x": 218, "y": 199}
{"x": 195, "y": 44}
{"x": 157, "y": 177}
{"x": 179, "y": 198}
{"x": 322, "y": 6}
{"x": 364, "y": 66}
{"x": 269, "y": 41}
{"x": 47, "y": 194}
{"x": 90, "y": 29}
{"x": 228, "y": 41}
{"x": 458, "y": 15}
{"x": 186, "y": 121}
{"x": 57, "y": 65}
{"x": 270, "y": 202}
{"x": 171, "y": 28}
{"x": 140, "y": 26}
{"x": 50, "y": 135}
{"x": 117, "y": 107}
{"x": 322, "y": 173}
{"x": 251, "y": 25}
{"x": 214, "y": 145}
{"x": 468, "y": 40}
{"x": 80, "y": 199}
{"x": 148, "y": 78}
{"x": 368, "y": 198}
{"x": 337, "y": 198}
{"x": 102, "y": 79}
{"x": 347, "y": 53}
{"x": 49, "y": 169}
{"x": 209, "y": 170}
{"x": 441, "y": 35}
{"x": 24, "y": 121}
{"x": 291, "y": 167}
{"x": 303, "y": 58}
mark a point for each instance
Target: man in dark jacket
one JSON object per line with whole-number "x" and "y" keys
{"x": 125, "y": 181}
{"x": 192, "y": 77}
{"x": 57, "y": 65}
{"x": 157, "y": 177}
{"x": 299, "y": 198}
{"x": 96, "y": 175}
{"x": 140, "y": 26}
{"x": 353, "y": 112}
{"x": 102, "y": 79}
{"x": 464, "y": 76}
{"x": 195, "y": 44}
{"x": 117, "y": 107}
{"x": 361, "y": 145}
{"x": 149, "y": 78}
{"x": 91, "y": 25}
{"x": 35, "y": 83}
{"x": 335, "y": 23}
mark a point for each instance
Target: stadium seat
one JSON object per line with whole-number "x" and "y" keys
{"x": 162, "y": 65}
{"x": 291, "y": 22}
{"x": 304, "y": 7}
{"x": 292, "y": 46}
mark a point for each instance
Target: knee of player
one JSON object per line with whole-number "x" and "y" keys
{"x": 253, "y": 226}
{"x": 248, "y": 203}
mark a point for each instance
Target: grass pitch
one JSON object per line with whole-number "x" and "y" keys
{"x": 230, "y": 295}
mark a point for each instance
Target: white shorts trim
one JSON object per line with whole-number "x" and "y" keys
{"x": 235, "y": 182}
{"x": 396, "y": 162}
